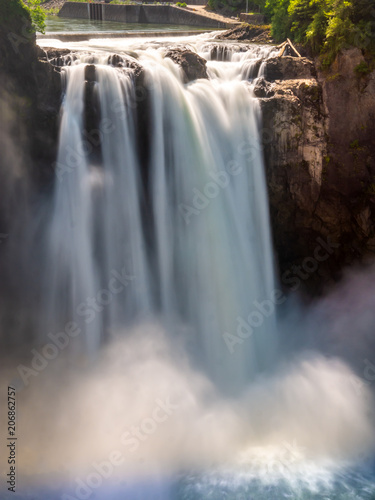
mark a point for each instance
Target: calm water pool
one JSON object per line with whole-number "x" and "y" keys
{"x": 56, "y": 24}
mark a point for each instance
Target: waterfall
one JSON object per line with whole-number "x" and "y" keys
{"x": 161, "y": 367}
{"x": 70, "y": 268}
{"x": 193, "y": 238}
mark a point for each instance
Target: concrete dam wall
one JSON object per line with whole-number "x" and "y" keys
{"x": 140, "y": 14}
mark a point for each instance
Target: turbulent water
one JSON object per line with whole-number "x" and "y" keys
{"x": 170, "y": 379}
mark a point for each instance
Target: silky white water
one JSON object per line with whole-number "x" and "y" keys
{"x": 159, "y": 278}
{"x": 208, "y": 254}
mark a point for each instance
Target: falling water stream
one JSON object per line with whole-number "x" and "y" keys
{"x": 208, "y": 254}
{"x": 158, "y": 255}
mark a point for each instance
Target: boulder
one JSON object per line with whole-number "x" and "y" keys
{"x": 249, "y": 33}
{"x": 118, "y": 61}
{"x": 289, "y": 68}
{"x": 193, "y": 66}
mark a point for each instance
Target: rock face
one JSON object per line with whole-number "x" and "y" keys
{"x": 192, "y": 64}
{"x": 317, "y": 138}
{"x": 289, "y": 68}
{"x": 33, "y": 85}
{"x": 320, "y": 156}
{"x": 349, "y": 99}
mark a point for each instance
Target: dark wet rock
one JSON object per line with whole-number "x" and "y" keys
{"x": 263, "y": 88}
{"x": 194, "y": 66}
{"x": 289, "y": 68}
{"x": 118, "y": 61}
{"x": 53, "y": 53}
{"x": 35, "y": 87}
{"x": 320, "y": 161}
{"x": 90, "y": 73}
{"x": 58, "y": 57}
{"x": 248, "y": 32}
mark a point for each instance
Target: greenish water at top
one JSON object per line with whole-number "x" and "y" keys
{"x": 56, "y": 24}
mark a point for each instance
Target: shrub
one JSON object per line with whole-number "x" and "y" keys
{"x": 14, "y": 11}
{"x": 326, "y": 27}
{"x": 37, "y": 14}
{"x": 362, "y": 69}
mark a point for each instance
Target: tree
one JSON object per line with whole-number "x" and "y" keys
{"x": 363, "y": 17}
{"x": 37, "y": 14}
{"x": 277, "y": 12}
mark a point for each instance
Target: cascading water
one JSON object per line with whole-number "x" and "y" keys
{"x": 159, "y": 278}
{"x": 209, "y": 255}
{"x": 69, "y": 262}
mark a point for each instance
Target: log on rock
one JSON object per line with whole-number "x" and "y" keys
{"x": 288, "y": 49}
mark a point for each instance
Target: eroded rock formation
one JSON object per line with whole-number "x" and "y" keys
{"x": 247, "y": 32}
{"x": 32, "y": 83}
{"x": 320, "y": 156}
{"x": 192, "y": 64}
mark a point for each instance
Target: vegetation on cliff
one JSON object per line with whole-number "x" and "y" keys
{"x": 323, "y": 26}
{"x": 14, "y": 12}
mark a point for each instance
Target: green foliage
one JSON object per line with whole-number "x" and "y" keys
{"x": 277, "y": 11}
{"x": 181, "y": 4}
{"x": 53, "y": 11}
{"x": 38, "y": 16}
{"x": 14, "y": 11}
{"x": 237, "y": 6}
{"x": 231, "y": 5}
{"x": 362, "y": 69}
{"x": 325, "y": 26}
{"x": 333, "y": 77}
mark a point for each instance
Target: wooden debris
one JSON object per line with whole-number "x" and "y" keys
{"x": 287, "y": 48}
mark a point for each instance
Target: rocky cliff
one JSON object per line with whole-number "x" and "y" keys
{"x": 317, "y": 138}
{"x": 320, "y": 156}
{"x": 30, "y": 87}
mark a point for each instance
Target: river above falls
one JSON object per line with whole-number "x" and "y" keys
{"x": 55, "y": 24}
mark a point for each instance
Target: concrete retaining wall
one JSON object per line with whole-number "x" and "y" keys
{"x": 74, "y": 10}
{"x": 141, "y": 14}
